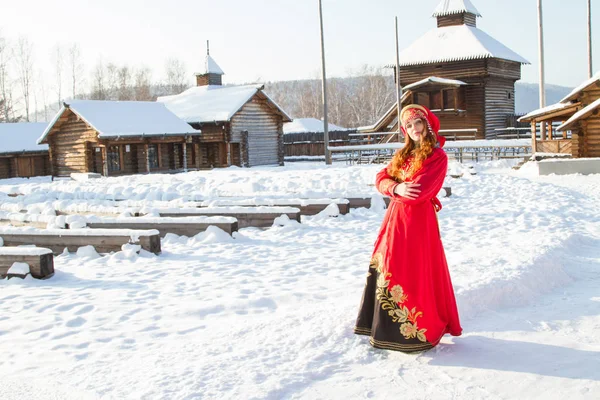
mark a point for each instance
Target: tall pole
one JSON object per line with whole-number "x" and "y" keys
{"x": 589, "y": 41}
{"x": 541, "y": 57}
{"x": 324, "y": 79}
{"x": 398, "y": 84}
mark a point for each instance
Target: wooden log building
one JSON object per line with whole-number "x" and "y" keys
{"x": 240, "y": 125}
{"x": 20, "y": 155}
{"x": 460, "y": 72}
{"x": 579, "y": 115}
{"x": 119, "y": 137}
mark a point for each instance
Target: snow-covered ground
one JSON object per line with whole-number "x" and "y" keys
{"x": 269, "y": 313}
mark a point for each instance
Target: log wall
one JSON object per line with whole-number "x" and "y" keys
{"x": 264, "y": 132}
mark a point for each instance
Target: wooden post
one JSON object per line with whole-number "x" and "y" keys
{"x": 104, "y": 153}
{"x": 589, "y": 34}
{"x": 533, "y": 137}
{"x": 398, "y": 84}
{"x": 146, "y": 148}
{"x": 324, "y": 84}
{"x": 184, "y": 145}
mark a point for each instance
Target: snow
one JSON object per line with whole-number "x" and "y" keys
{"x": 7, "y": 230}
{"x": 21, "y": 136}
{"x": 19, "y": 268}
{"x": 544, "y": 110}
{"x": 210, "y": 67}
{"x": 211, "y": 103}
{"x": 117, "y": 119}
{"x": 579, "y": 114}
{"x": 434, "y": 79}
{"x": 448, "y": 7}
{"x": 571, "y": 96}
{"x": 269, "y": 313}
{"x": 449, "y": 144}
{"x": 24, "y": 251}
{"x": 303, "y": 125}
{"x": 455, "y": 43}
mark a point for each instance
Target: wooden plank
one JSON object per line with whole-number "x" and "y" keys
{"x": 182, "y": 229}
{"x": 258, "y": 220}
{"x": 40, "y": 266}
{"x": 102, "y": 243}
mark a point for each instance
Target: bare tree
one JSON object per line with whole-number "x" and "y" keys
{"x": 142, "y": 85}
{"x": 59, "y": 64}
{"x": 6, "y": 106}
{"x": 112, "y": 81}
{"x": 25, "y": 64}
{"x": 124, "y": 91}
{"x": 41, "y": 86}
{"x": 75, "y": 68}
{"x": 99, "y": 85}
{"x": 176, "y": 76}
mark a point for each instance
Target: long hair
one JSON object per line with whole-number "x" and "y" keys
{"x": 410, "y": 150}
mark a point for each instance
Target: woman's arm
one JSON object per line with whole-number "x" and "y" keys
{"x": 430, "y": 177}
{"x": 384, "y": 183}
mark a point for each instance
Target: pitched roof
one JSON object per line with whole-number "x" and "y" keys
{"x": 301, "y": 125}
{"x": 449, "y": 7}
{"x": 584, "y": 112}
{"x": 214, "y": 103}
{"x": 456, "y": 43}
{"x": 434, "y": 81}
{"x": 210, "y": 67}
{"x": 575, "y": 92}
{"x": 113, "y": 119}
{"x": 22, "y": 136}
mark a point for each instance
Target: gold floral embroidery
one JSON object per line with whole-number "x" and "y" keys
{"x": 385, "y": 185}
{"x": 392, "y": 302}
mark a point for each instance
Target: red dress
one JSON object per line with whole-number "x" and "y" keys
{"x": 408, "y": 303}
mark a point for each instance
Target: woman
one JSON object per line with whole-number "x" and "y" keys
{"x": 408, "y": 303}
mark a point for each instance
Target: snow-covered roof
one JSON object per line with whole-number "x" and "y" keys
{"x": 545, "y": 110}
{"x": 302, "y": 125}
{"x": 210, "y": 67}
{"x": 435, "y": 79}
{"x": 125, "y": 118}
{"x": 579, "y": 115}
{"x": 449, "y": 7}
{"x": 575, "y": 92}
{"x": 22, "y": 136}
{"x": 212, "y": 103}
{"x": 456, "y": 43}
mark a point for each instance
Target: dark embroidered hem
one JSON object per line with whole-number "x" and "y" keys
{"x": 362, "y": 331}
{"x": 405, "y": 348}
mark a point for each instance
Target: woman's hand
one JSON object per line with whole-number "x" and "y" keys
{"x": 408, "y": 189}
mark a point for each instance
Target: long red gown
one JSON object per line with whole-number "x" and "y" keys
{"x": 408, "y": 302}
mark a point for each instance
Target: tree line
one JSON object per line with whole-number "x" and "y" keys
{"x": 26, "y": 95}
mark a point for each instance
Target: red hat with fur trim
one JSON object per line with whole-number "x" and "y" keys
{"x": 417, "y": 111}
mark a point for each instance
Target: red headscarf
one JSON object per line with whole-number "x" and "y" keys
{"x": 416, "y": 111}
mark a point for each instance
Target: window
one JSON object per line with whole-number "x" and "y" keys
{"x": 153, "y": 155}
{"x": 114, "y": 159}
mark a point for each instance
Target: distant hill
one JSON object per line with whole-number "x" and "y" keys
{"x": 527, "y": 97}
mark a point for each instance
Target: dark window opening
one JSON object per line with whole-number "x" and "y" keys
{"x": 114, "y": 160}
{"x": 153, "y": 155}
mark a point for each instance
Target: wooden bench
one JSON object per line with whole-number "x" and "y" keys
{"x": 39, "y": 259}
{"x": 306, "y": 206}
{"x": 190, "y": 226}
{"x": 260, "y": 217}
{"x": 103, "y": 240}
{"x": 357, "y": 202}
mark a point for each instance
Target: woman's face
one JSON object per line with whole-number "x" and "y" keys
{"x": 415, "y": 129}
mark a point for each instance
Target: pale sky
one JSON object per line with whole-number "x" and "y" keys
{"x": 269, "y": 40}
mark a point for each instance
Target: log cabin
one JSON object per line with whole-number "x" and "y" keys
{"x": 118, "y": 138}
{"x": 458, "y": 71}
{"x": 240, "y": 125}
{"x": 578, "y": 113}
{"x": 20, "y": 155}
